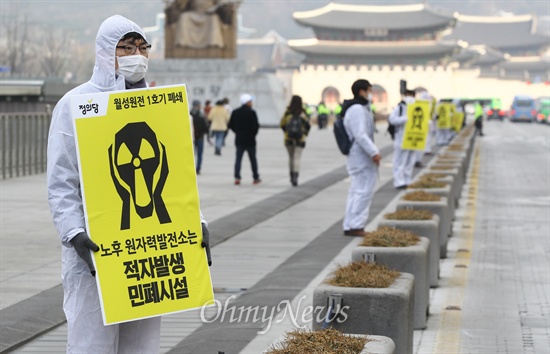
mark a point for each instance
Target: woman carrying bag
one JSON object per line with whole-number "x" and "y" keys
{"x": 295, "y": 124}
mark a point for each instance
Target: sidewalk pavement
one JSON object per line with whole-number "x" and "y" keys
{"x": 486, "y": 241}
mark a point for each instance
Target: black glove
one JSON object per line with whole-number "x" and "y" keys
{"x": 206, "y": 243}
{"x": 83, "y": 245}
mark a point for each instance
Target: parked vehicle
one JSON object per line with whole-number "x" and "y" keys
{"x": 523, "y": 109}
{"x": 543, "y": 109}
{"x": 495, "y": 111}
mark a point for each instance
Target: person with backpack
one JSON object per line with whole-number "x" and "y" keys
{"x": 295, "y": 125}
{"x": 363, "y": 157}
{"x": 403, "y": 160}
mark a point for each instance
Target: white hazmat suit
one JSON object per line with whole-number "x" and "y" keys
{"x": 403, "y": 160}
{"x": 86, "y": 332}
{"x": 359, "y": 124}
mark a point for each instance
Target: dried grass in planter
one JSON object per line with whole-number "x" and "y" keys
{"x": 444, "y": 161}
{"x": 440, "y": 167}
{"x": 421, "y": 196}
{"x": 455, "y": 147}
{"x": 386, "y": 236}
{"x": 427, "y": 183}
{"x": 434, "y": 175}
{"x": 410, "y": 214}
{"x": 327, "y": 341}
{"x": 363, "y": 275}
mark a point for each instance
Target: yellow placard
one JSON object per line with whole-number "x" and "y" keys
{"x": 458, "y": 120}
{"x": 444, "y": 112}
{"x": 141, "y": 201}
{"x": 417, "y": 126}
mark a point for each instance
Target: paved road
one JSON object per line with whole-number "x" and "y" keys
{"x": 495, "y": 283}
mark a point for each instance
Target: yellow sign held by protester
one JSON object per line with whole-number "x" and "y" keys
{"x": 139, "y": 188}
{"x": 458, "y": 120}
{"x": 444, "y": 112}
{"x": 417, "y": 126}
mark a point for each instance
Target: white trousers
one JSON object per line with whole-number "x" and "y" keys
{"x": 403, "y": 165}
{"x": 86, "y": 332}
{"x": 444, "y": 136}
{"x": 360, "y": 196}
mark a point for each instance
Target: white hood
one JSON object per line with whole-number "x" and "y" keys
{"x": 109, "y": 34}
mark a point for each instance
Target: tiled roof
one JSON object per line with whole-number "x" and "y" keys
{"x": 315, "y": 46}
{"x": 393, "y": 17}
{"x": 498, "y": 32}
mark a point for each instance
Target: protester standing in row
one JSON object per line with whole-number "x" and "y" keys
{"x": 295, "y": 124}
{"x": 363, "y": 158}
{"x": 244, "y": 123}
{"x": 403, "y": 160}
{"x": 200, "y": 129}
{"x": 121, "y": 62}
{"x": 218, "y": 117}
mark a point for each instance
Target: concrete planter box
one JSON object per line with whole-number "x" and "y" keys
{"x": 444, "y": 192}
{"x": 412, "y": 259}
{"x": 451, "y": 179}
{"x": 379, "y": 311}
{"x": 441, "y": 209}
{"x": 424, "y": 228}
{"x": 458, "y": 183}
{"x": 379, "y": 345}
{"x": 459, "y": 164}
{"x": 465, "y": 152}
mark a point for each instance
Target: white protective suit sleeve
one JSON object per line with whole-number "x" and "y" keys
{"x": 355, "y": 122}
{"x": 399, "y": 122}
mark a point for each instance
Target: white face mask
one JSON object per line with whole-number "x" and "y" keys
{"x": 369, "y": 97}
{"x": 132, "y": 67}
{"x": 409, "y": 99}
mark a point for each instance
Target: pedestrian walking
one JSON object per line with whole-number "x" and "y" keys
{"x": 121, "y": 62}
{"x": 229, "y": 110}
{"x": 403, "y": 160}
{"x": 244, "y": 123}
{"x": 478, "y": 114}
{"x": 218, "y": 118}
{"x": 207, "y": 107}
{"x": 295, "y": 125}
{"x": 363, "y": 158}
{"x": 200, "y": 130}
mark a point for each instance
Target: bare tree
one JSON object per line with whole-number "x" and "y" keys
{"x": 14, "y": 46}
{"x": 55, "y": 51}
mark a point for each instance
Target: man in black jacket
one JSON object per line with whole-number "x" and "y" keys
{"x": 244, "y": 123}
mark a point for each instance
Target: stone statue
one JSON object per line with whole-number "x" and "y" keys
{"x": 201, "y": 29}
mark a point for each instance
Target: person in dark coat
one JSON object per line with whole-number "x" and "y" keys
{"x": 200, "y": 129}
{"x": 244, "y": 123}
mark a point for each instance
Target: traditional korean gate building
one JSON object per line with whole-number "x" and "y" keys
{"x": 426, "y": 47}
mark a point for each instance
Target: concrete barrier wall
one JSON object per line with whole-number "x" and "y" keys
{"x": 425, "y": 228}
{"x": 413, "y": 260}
{"x": 380, "y": 311}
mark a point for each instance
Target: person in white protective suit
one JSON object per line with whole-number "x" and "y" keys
{"x": 121, "y": 63}
{"x": 363, "y": 158}
{"x": 419, "y": 154}
{"x": 403, "y": 160}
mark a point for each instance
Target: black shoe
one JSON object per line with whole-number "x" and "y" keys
{"x": 402, "y": 187}
{"x": 355, "y": 232}
{"x": 294, "y": 178}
